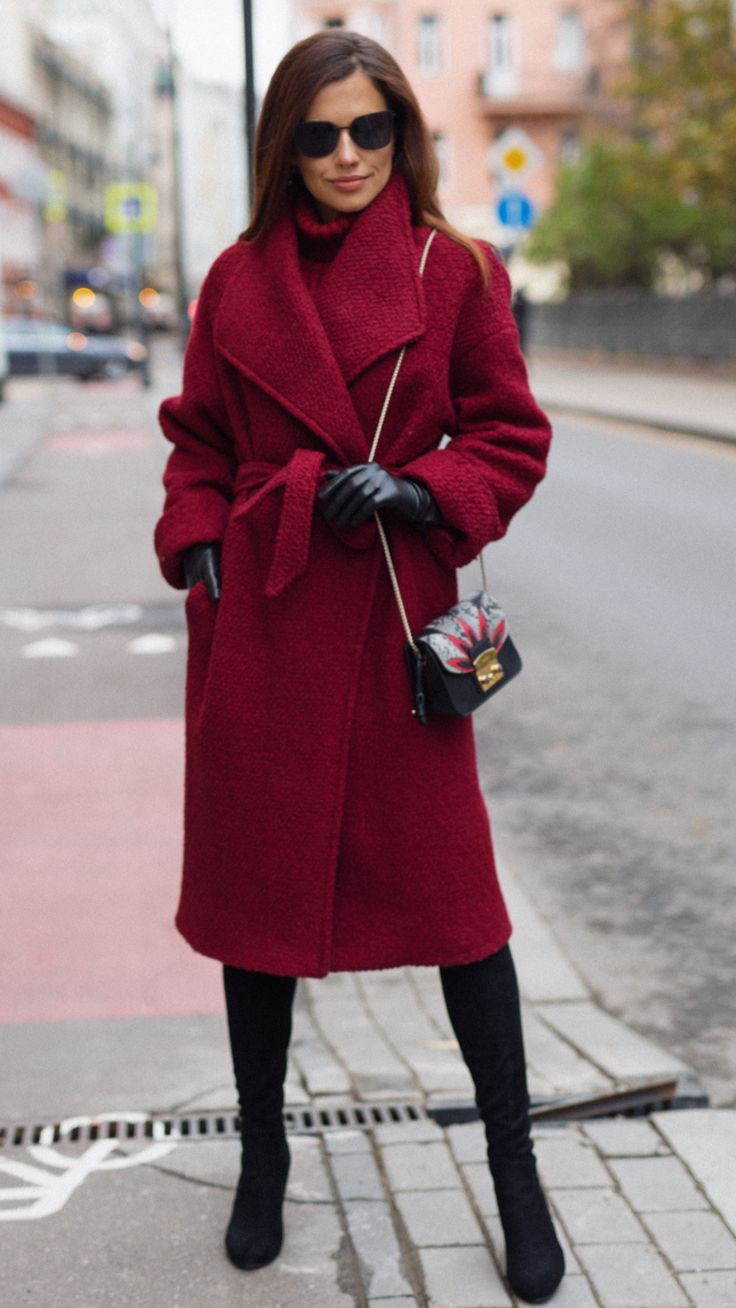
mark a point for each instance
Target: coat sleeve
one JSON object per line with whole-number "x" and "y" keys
{"x": 200, "y": 472}
{"x": 499, "y": 440}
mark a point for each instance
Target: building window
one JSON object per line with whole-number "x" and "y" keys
{"x": 570, "y": 41}
{"x": 430, "y": 44}
{"x": 442, "y": 150}
{"x": 502, "y": 69}
{"x": 571, "y": 146}
{"x": 368, "y": 23}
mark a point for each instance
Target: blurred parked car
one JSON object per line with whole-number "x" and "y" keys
{"x": 39, "y": 348}
{"x": 90, "y": 311}
{"x": 158, "y": 309}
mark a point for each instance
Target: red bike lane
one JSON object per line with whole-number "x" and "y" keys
{"x": 91, "y": 815}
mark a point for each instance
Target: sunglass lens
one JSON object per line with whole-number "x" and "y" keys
{"x": 316, "y": 139}
{"x": 373, "y": 131}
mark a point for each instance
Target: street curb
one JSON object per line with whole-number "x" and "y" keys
{"x": 720, "y": 437}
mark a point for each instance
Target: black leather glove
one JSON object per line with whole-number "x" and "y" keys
{"x": 352, "y": 496}
{"x": 202, "y": 563}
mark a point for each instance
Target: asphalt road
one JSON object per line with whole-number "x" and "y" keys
{"x": 608, "y": 765}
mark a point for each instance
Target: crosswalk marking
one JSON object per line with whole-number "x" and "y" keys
{"x": 152, "y": 643}
{"x": 53, "y": 647}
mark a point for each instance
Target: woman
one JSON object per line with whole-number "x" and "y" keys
{"x": 325, "y": 829}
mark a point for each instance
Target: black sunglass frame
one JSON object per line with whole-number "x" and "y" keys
{"x": 330, "y": 134}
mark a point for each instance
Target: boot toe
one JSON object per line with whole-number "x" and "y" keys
{"x": 535, "y": 1279}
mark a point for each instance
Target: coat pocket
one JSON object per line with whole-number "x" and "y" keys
{"x": 201, "y": 615}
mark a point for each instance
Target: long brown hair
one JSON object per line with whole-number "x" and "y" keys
{"x": 330, "y": 56}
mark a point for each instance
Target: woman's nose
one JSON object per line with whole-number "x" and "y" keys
{"x": 346, "y": 151}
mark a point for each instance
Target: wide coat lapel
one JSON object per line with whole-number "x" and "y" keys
{"x": 269, "y": 328}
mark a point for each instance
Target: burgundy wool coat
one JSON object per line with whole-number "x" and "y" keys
{"x": 325, "y": 829}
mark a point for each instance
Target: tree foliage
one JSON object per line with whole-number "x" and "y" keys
{"x": 666, "y": 183}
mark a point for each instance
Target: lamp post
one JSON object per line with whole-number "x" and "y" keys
{"x": 250, "y": 90}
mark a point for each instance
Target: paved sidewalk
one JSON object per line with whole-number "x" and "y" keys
{"x": 698, "y": 403}
{"x": 402, "y": 1214}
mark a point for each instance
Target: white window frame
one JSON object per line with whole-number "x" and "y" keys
{"x": 502, "y": 62}
{"x": 569, "y": 51}
{"x": 368, "y": 22}
{"x": 443, "y": 149}
{"x": 431, "y": 37}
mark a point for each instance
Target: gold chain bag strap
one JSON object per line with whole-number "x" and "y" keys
{"x": 465, "y": 655}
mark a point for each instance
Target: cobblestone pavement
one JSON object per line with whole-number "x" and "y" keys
{"x": 402, "y": 1213}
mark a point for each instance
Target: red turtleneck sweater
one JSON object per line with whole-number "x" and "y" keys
{"x": 318, "y": 242}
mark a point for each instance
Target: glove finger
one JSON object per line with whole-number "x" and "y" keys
{"x": 342, "y": 496}
{"x": 336, "y": 478}
{"x": 211, "y": 576}
{"x": 363, "y": 512}
{"x": 350, "y": 505}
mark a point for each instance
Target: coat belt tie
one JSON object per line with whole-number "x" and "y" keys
{"x": 299, "y": 479}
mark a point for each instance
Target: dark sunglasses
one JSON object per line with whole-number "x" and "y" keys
{"x": 370, "y": 132}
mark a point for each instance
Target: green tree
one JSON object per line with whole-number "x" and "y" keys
{"x": 666, "y": 183}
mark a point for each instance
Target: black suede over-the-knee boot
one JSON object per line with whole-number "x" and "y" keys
{"x": 483, "y": 1005}
{"x": 259, "y": 1023}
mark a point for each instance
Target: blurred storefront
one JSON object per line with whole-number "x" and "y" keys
{"x": 84, "y": 109}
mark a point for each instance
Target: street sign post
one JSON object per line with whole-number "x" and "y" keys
{"x": 514, "y": 209}
{"x": 130, "y": 207}
{"x": 514, "y": 155}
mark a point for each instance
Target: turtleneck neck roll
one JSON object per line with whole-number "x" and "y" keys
{"x": 318, "y": 242}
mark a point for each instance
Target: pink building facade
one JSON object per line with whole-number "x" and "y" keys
{"x": 507, "y": 88}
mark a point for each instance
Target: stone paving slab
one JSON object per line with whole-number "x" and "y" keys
{"x": 544, "y": 972}
{"x": 657, "y": 1185}
{"x": 614, "y": 1047}
{"x": 598, "y": 1217}
{"x": 321, "y": 1071}
{"x": 570, "y": 1162}
{"x": 705, "y": 1139}
{"x": 711, "y": 1289}
{"x": 462, "y": 1278}
{"x": 555, "y": 1067}
{"x": 377, "y": 1248}
{"x": 693, "y": 1242}
{"x": 438, "y": 1218}
{"x": 420, "y": 1167}
{"x": 631, "y": 1276}
{"x": 343, "y": 1022}
{"x": 623, "y": 1137}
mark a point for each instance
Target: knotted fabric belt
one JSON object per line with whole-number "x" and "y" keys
{"x": 299, "y": 479}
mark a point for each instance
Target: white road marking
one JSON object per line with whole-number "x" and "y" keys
{"x": 152, "y": 643}
{"x": 53, "y": 647}
{"x": 91, "y": 618}
{"x": 46, "y": 1192}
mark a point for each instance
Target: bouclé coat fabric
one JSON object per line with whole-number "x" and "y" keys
{"x": 325, "y": 830}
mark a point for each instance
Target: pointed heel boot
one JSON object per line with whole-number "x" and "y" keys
{"x": 255, "y": 1232}
{"x": 535, "y": 1263}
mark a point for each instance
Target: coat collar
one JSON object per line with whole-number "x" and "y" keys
{"x": 269, "y": 328}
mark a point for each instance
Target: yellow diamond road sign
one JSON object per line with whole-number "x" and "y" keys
{"x": 514, "y": 154}
{"x": 130, "y": 207}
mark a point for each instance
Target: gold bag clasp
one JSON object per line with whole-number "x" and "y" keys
{"x": 488, "y": 670}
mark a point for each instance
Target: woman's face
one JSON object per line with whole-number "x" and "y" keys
{"x": 349, "y": 178}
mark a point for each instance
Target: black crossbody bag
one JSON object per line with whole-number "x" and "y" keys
{"x": 465, "y": 656}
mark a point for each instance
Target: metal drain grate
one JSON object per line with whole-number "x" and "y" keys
{"x": 203, "y": 1126}
{"x": 655, "y": 1096}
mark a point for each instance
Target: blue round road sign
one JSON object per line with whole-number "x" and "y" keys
{"x": 514, "y": 209}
